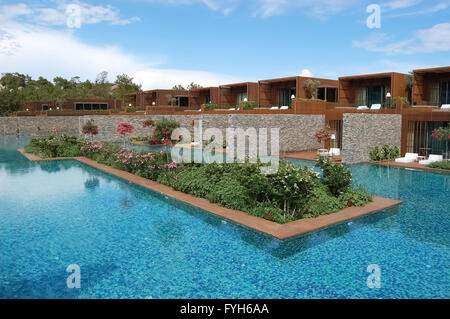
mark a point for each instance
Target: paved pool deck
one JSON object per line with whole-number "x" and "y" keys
{"x": 279, "y": 231}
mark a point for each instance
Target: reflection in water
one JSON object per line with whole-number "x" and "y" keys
{"x": 92, "y": 183}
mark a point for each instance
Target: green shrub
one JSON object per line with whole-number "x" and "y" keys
{"x": 385, "y": 152}
{"x": 322, "y": 203}
{"x": 210, "y": 107}
{"x": 291, "y": 187}
{"x": 336, "y": 176}
{"x": 355, "y": 197}
{"x": 268, "y": 212}
{"x": 229, "y": 193}
{"x": 250, "y": 105}
{"x": 440, "y": 165}
{"x": 55, "y": 146}
{"x": 133, "y": 109}
{"x": 164, "y": 128}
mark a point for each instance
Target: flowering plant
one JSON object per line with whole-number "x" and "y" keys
{"x": 441, "y": 133}
{"x": 124, "y": 128}
{"x": 90, "y": 148}
{"x": 89, "y": 128}
{"x": 324, "y": 134}
{"x": 148, "y": 123}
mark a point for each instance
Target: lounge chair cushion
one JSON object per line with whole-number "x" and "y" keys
{"x": 362, "y": 107}
{"x": 432, "y": 159}
{"x": 409, "y": 158}
{"x": 375, "y": 107}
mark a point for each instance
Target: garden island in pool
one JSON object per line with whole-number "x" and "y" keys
{"x": 132, "y": 243}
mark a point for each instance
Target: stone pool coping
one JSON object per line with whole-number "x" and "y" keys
{"x": 279, "y": 231}
{"x": 414, "y": 165}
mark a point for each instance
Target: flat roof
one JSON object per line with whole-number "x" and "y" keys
{"x": 443, "y": 69}
{"x": 369, "y": 76}
{"x": 237, "y": 84}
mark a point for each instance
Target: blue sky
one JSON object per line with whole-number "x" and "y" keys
{"x": 211, "y": 42}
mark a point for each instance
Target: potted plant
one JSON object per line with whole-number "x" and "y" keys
{"x": 443, "y": 134}
{"x": 123, "y": 129}
{"x": 323, "y": 135}
{"x": 89, "y": 129}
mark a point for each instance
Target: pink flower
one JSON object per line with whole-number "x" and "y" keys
{"x": 124, "y": 128}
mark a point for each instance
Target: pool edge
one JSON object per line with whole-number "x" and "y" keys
{"x": 279, "y": 231}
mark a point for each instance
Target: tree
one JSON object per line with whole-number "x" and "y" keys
{"x": 101, "y": 87}
{"x": 178, "y": 87}
{"x": 124, "y": 85}
{"x": 311, "y": 87}
{"x": 10, "y": 101}
{"x": 194, "y": 86}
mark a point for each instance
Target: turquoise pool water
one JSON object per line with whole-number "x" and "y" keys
{"x": 132, "y": 243}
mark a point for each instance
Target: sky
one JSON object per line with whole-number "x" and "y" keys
{"x": 211, "y": 42}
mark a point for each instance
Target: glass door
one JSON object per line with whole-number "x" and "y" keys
{"x": 285, "y": 97}
{"x": 445, "y": 93}
{"x": 375, "y": 95}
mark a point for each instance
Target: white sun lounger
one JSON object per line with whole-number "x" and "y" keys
{"x": 335, "y": 152}
{"x": 432, "y": 159}
{"x": 284, "y": 108}
{"x": 409, "y": 158}
{"x": 362, "y": 107}
{"x": 445, "y": 107}
{"x": 274, "y": 108}
{"x": 375, "y": 107}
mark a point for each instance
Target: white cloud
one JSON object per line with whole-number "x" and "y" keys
{"x": 317, "y": 8}
{"x": 431, "y": 40}
{"x": 427, "y": 9}
{"x": 306, "y": 73}
{"x": 399, "y": 4}
{"x": 56, "y": 15}
{"x": 266, "y": 8}
{"x": 38, "y": 50}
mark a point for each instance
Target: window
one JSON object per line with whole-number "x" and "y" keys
{"x": 45, "y": 107}
{"x": 445, "y": 93}
{"x": 329, "y": 94}
{"x": 208, "y": 99}
{"x": 241, "y": 97}
{"x": 90, "y": 106}
{"x": 285, "y": 96}
{"x": 182, "y": 101}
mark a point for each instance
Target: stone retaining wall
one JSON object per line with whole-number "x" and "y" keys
{"x": 363, "y": 132}
{"x": 296, "y": 131}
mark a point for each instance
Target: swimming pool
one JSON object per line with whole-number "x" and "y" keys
{"x": 132, "y": 243}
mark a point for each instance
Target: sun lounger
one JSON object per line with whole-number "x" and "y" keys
{"x": 274, "y": 108}
{"x": 409, "y": 158}
{"x": 335, "y": 152}
{"x": 445, "y": 107}
{"x": 375, "y": 107}
{"x": 362, "y": 107}
{"x": 432, "y": 159}
{"x": 284, "y": 108}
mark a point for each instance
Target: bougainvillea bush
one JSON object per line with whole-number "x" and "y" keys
{"x": 89, "y": 128}
{"x": 124, "y": 128}
{"x": 162, "y": 134}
